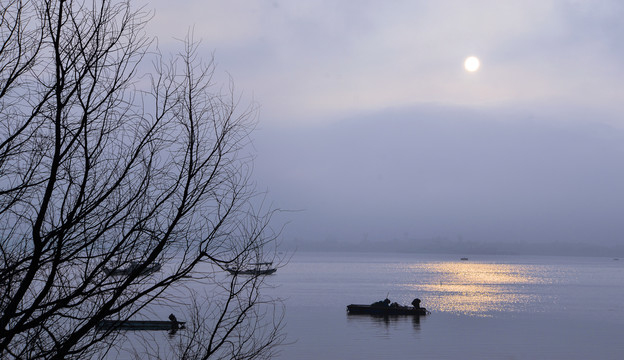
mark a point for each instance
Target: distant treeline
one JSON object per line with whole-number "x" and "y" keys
{"x": 451, "y": 246}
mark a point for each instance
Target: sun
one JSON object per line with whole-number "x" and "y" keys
{"x": 472, "y": 64}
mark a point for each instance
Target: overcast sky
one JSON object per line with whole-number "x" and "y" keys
{"x": 371, "y": 126}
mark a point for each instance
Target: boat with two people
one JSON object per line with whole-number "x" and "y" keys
{"x": 386, "y": 307}
{"x": 258, "y": 268}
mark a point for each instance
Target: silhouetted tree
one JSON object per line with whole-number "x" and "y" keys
{"x": 107, "y": 167}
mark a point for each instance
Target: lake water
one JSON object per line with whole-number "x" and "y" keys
{"x": 489, "y": 307}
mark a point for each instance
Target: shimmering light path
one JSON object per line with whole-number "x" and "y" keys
{"x": 489, "y": 307}
{"x": 478, "y": 288}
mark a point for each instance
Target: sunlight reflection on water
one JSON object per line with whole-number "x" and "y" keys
{"x": 477, "y": 288}
{"x": 490, "y": 307}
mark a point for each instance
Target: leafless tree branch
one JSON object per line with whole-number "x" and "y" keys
{"x": 102, "y": 166}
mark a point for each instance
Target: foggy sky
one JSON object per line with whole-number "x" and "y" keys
{"x": 370, "y": 126}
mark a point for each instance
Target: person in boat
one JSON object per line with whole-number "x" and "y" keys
{"x": 416, "y": 303}
{"x": 384, "y": 303}
{"x": 174, "y": 323}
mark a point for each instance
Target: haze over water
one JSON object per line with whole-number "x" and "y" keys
{"x": 371, "y": 129}
{"x": 489, "y": 307}
{"x": 371, "y": 134}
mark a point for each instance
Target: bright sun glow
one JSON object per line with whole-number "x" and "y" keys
{"x": 472, "y": 64}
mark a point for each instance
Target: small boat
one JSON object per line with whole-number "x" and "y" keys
{"x": 260, "y": 268}
{"x": 376, "y": 310}
{"x": 133, "y": 265}
{"x": 464, "y": 259}
{"x": 139, "y": 325}
{"x": 385, "y": 308}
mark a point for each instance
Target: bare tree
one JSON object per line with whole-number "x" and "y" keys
{"x": 105, "y": 168}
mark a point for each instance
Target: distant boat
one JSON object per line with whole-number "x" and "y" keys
{"x": 464, "y": 259}
{"x": 260, "y": 268}
{"x": 139, "y": 325}
{"x": 385, "y": 308}
{"x": 133, "y": 265}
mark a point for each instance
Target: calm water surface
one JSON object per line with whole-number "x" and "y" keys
{"x": 489, "y": 307}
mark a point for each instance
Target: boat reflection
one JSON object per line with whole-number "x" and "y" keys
{"x": 384, "y": 320}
